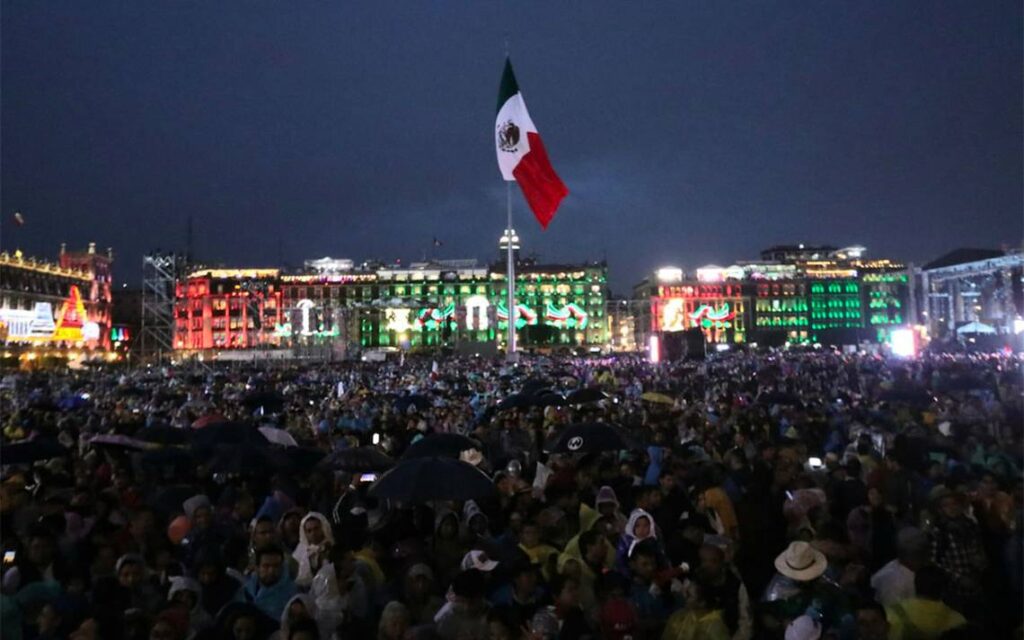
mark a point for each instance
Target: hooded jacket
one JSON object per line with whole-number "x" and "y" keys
{"x": 307, "y": 600}
{"x": 448, "y": 552}
{"x": 198, "y": 618}
{"x": 628, "y": 539}
{"x": 311, "y": 556}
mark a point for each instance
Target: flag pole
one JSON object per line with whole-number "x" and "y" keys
{"x": 510, "y": 345}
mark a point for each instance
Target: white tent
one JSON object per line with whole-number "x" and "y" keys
{"x": 975, "y": 327}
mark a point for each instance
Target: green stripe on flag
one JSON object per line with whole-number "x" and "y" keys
{"x": 508, "y": 86}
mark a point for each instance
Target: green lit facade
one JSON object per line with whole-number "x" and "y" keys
{"x": 886, "y": 295}
{"x": 433, "y": 306}
{"x": 827, "y": 301}
{"x": 836, "y": 304}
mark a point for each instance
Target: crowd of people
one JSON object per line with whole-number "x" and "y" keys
{"x": 783, "y": 495}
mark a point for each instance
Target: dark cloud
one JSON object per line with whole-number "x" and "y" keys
{"x": 687, "y": 134}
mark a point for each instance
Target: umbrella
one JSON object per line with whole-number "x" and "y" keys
{"x": 549, "y": 398}
{"x": 515, "y": 401}
{"x": 440, "y": 444}
{"x": 301, "y": 459}
{"x": 278, "y": 436}
{"x": 432, "y": 478}
{"x": 591, "y": 438}
{"x": 359, "y": 460}
{"x": 209, "y": 419}
{"x": 163, "y": 434}
{"x": 28, "y": 451}
{"x": 168, "y": 457}
{"x": 247, "y": 459}
{"x": 420, "y": 402}
{"x": 118, "y": 442}
{"x": 228, "y": 433}
{"x": 583, "y": 396}
{"x": 975, "y": 328}
{"x": 534, "y": 386}
{"x": 657, "y": 398}
{"x": 269, "y": 401}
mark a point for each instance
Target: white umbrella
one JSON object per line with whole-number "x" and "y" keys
{"x": 278, "y": 436}
{"x": 975, "y": 327}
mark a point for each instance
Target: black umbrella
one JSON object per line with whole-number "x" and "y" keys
{"x": 534, "y": 386}
{"x": 270, "y": 401}
{"x": 433, "y": 478}
{"x": 516, "y": 401}
{"x": 440, "y": 444}
{"x": 247, "y": 460}
{"x": 118, "y": 441}
{"x": 168, "y": 457}
{"x": 420, "y": 402}
{"x": 591, "y": 438}
{"x": 301, "y": 459}
{"x": 359, "y": 460}
{"x": 228, "y": 433}
{"x": 29, "y": 451}
{"x": 584, "y": 396}
{"x": 163, "y": 434}
{"x": 549, "y": 398}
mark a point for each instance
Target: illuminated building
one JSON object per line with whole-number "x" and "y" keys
{"x": 971, "y": 285}
{"x": 794, "y": 294}
{"x": 336, "y": 305}
{"x": 52, "y": 307}
{"x": 227, "y": 309}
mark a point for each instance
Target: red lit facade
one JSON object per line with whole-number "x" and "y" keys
{"x": 230, "y": 311}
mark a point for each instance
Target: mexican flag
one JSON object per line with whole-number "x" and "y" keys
{"x": 521, "y": 154}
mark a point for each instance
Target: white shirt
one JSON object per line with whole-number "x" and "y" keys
{"x": 892, "y": 583}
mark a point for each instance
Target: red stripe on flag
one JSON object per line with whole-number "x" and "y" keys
{"x": 541, "y": 186}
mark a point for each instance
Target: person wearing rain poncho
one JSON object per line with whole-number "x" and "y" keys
{"x": 639, "y": 527}
{"x": 448, "y": 549}
{"x": 302, "y": 607}
{"x": 314, "y": 548}
{"x": 185, "y": 592}
{"x": 340, "y": 594}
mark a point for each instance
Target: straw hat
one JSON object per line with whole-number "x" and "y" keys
{"x": 801, "y": 562}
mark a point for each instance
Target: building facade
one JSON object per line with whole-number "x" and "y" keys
{"x": 794, "y": 294}
{"x": 338, "y": 306}
{"x": 56, "y": 308}
{"x": 969, "y": 286}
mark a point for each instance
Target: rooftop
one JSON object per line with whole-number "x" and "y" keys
{"x": 963, "y": 256}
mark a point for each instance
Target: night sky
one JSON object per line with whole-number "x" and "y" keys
{"x": 687, "y": 132}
